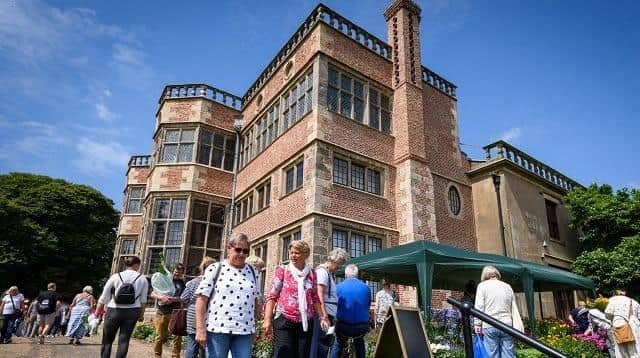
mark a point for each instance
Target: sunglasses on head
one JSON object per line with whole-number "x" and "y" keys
{"x": 240, "y": 250}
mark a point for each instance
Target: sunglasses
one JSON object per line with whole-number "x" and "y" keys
{"x": 239, "y": 250}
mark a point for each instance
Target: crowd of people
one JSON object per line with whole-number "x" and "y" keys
{"x": 46, "y": 315}
{"x": 305, "y": 310}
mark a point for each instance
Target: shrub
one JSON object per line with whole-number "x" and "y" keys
{"x": 147, "y": 332}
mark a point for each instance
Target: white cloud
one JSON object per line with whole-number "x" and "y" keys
{"x": 511, "y": 135}
{"x": 103, "y": 112}
{"x": 127, "y": 55}
{"x": 100, "y": 158}
{"x": 107, "y": 92}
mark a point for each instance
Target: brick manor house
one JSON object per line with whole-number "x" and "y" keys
{"x": 344, "y": 140}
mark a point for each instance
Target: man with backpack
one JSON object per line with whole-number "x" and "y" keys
{"x": 125, "y": 295}
{"x": 48, "y": 306}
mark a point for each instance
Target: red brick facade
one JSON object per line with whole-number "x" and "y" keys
{"x": 416, "y": 161}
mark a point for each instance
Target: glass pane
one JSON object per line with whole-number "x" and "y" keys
{"x": 230, "y": 145}
{"x": 299, "y": 174}
{"x": 214, "y": 254}
{"x": 358, "y": 110}
{"x": 169, "y": 153}
{"x": 188, "y": 135}
{"x": 286, "y": 240}
{"x": 216, "y": 158}
{"x": 373, "y": 116}
{"x": 345, "y": 104}
{"x": 154, "y": 260}
{"x": 194, "y": 258}
{"x": 301, "y": 102}
{"x": 175, "y": 233}
{"x": 333, "y": 77}
{"x": 345, "y": 83}
{"x": 358, "y": 89}
{"x": 127, "y": 247}
{"x": 357, "y": 245}
{"x": 267, "y": 198}
{"x": 296, "y": 235}
{"x": 285, "y": 120}
{"x": 137, "y": 192}
{"x": 373, "y": 181}
{"x": 386, "y": 121}
{"x": 289, "y": 181}
{"x": 214, "y": 238}
{"x": 200, "y": 210}
{"x": 203, "y": 154}
{"x": 357, "y": 176}
{"x": 375, "y": 244}
{"x": 228, "y": 161}
{"x": 198, "y": 232}
{"x": 134, "y": 206}
{"x": 340, "y": 171}
{"x": 332, "y": 99}
{"x": 178, "y": 208}
{"x": 172, "y": 135}
{"x": 161, "y": 209}
{"x": 260, "y": 198}
{"x": 157, "y": 237}
{"x": 384, "y": 102}
{"x": 218, "y": 140}
{"x": 309, "y": 80}
{"x": 217, "y": 214}
{"x": 294, "y": 114}
{"x": 172, "y": 256}
{"x": 373, "y": 96}
{"x": 185, "y": 152}
{"x": 339, "y": 239}
{"x": 206, "y": 137}
{"x": 309, "y": 98}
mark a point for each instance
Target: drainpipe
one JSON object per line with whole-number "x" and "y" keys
{"x": 496, "y": 183}
{"x": 237, "y": 126}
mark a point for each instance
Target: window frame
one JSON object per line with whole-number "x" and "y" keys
{"x": 296, "y": 168}
{"x": 367, "y": 169}
{"x": 178, "y": 144}
{"x": 165, "y": 246}
{"x": 249, "y": 204}
{"x": 209, "y": 225}
{"x": 348, "y": 240}
{"x": 286, "y": 239}
{"x": 372, "y": 96}
{"x": 227, "y": 149}
{"x": 130, "y": 198}
{"x": 454, "y": 200}
{"x": 553, "y": 224}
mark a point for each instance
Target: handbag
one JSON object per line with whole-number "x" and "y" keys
{"x": 178, "y": 322}
{"x": 624, "y": 334}
{"x": 16, "y": 312}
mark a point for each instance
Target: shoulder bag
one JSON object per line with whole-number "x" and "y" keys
{"x": 624, "y": 334}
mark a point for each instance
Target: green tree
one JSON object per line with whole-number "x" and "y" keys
{"x": 54, "y": 231}
{"x": 608, "y": 224}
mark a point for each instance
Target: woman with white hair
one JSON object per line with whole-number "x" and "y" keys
{"x": 11, "y": 308}
{"x": 78, "y": 310}
{"x": 623, "y": 310}
{"x": 496, "y": 298}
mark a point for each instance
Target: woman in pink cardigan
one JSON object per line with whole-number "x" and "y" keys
{"x": 293, "y": 299}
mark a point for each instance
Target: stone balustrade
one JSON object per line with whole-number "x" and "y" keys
{"x": 503, "y": 150}
{"x": 436, "y": 81}
{"x": 331, "y": 18}
{"x": 140, "y": 161}
{"x": 202, "y": 90}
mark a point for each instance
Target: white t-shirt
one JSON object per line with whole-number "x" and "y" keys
{"x": 113, "y": 284}
{"x": 232, "y": 303}
{"x": 495, "y": 298}
{"x": 330, "y": 297}
{"x": 17, "y": 302}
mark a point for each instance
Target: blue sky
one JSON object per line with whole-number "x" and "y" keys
{"x": 80, "y": 80}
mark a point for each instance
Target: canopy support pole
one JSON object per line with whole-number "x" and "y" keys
{"x": 527, "y": 283}
{"x": 425, "y": 283}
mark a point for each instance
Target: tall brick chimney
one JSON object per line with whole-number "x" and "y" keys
{"x": 414, "y": 183}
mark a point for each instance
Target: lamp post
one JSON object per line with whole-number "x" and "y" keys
{"x": 496, "y": 183}
{"x": 237, "y": 126}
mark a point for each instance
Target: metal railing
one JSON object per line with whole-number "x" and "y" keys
{"x": 468, "y": 310}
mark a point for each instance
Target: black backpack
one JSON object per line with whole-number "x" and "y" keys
{"x": 126, "y": 293}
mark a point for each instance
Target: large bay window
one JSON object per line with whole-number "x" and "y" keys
{"x": 207, "y": 226}
{"x": 167, "y": 231}
{"x": 133, "y": 204}
{"x": 216, "y": 150}
{"x": 177, "y": 145}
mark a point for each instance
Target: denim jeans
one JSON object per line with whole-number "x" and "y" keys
{"x": 193, "y": 349}
{"x": 498, "y": 344}
{"x": 344, "y": 331}
{"x": 219, "y": 344}
{"x": 8, "y": 327}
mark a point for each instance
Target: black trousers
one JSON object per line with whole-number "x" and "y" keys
{"x": 118, "y": 319}
{"x": 291, "y": 340}
{"x": 325, "y": 341}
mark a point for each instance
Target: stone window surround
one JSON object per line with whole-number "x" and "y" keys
{"x": 197, "y": 127}
{"x": 285, "y": 239}
{"x": 253, "y": 195}
{"x": 367, "y": 235}
{"x": 298, "y": 182}
{"x": 248, "y": 145}
{"x": 368, "y": 164}
{"x": 129, "y": 198}
{"x": 460, "y": 214}
{"x": 368, "y": 85}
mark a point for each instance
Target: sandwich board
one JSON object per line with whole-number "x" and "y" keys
{"x": 403, "y": 335}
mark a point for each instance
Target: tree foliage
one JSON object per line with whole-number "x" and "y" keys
{"x": 54, "y": 231}
{"x": 608, "y": 224}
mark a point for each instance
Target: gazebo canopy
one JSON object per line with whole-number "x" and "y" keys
{"x": 435, "y": 266}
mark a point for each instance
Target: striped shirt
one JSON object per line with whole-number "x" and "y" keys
{"x": 188, "y": 297}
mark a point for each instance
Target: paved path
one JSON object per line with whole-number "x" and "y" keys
{"x": 58, "y": 347}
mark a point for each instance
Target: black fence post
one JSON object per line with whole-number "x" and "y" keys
{"x": 466, "y": 329}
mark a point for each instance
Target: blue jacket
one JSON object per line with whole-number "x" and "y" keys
{"x": 354, "y": 299}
